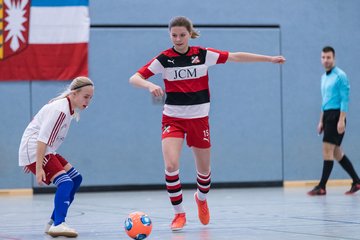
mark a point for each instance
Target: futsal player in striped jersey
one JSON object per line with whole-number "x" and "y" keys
{"x": 184, "y": 69}
{"x": 40, "y": 141}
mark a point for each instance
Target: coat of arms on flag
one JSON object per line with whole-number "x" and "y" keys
{"x": 14, "y": 26}
{"x": 43, "y": 39}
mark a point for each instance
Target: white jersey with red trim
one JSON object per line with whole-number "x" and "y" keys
{"x": 50, "y": 125}
{"x": 186, "y": 79}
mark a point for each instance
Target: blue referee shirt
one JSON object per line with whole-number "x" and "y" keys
{"x": 335, "y": 89}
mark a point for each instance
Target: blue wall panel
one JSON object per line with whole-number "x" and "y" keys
{"x": 117, "y": 140}
{"x": 14, "y": 117}
{"x": 246, "y": 107}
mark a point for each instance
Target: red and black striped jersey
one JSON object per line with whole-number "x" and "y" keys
{"x": 186, "y": 79}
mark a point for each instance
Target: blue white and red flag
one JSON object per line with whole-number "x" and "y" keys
{"x": 44, "y": 39}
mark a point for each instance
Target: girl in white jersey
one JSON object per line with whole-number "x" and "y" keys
{"x": 184, "y": 70}
{"x": 40, "y": 141}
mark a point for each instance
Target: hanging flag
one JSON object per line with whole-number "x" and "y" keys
{"x": 44, "y": 39}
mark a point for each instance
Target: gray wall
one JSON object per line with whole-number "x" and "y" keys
{"x": 263, "y": 116}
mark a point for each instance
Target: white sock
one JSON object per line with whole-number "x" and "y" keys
{"x": 179, "y": 208}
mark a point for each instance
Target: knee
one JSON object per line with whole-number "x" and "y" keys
{"x": 68, "y": 184}
{"x": 338, "y": 155}
{"x": 328, "y": 154}
{"x": 77, "y": 182}
{"x": 75, "y": 177}
{"x": 79, "y": 179}
{"x": 171, "y": 165}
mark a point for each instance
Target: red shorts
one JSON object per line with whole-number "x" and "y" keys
{"x": 197, "y": 130}
{"x": 52, "y": 165}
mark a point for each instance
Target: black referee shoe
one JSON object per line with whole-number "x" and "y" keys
{"x": 317, "y": 191}
{"x": 354, "y": 188}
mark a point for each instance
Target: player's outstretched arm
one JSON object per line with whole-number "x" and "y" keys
{"x": 138, "y": 81}
{"x": 251, "y": 57}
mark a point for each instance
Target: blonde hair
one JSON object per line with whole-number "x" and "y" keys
{"x": 181, "y": 21}
{"x": 75, "y": 86}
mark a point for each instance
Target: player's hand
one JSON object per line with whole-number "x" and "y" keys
{"x": 278, "y": 59}
{"x": 320, "y": 128}
{"x": 156, "y": 90}
{"x": 26, "y": 170}
{"x": 341, "y": 127}
{"x": 40, "y": 176}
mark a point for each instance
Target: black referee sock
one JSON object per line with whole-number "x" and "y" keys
{"x": 348, "y": 167}
{"x": 327, "y": 168}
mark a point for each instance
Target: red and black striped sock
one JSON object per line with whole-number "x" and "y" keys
{"x": 174, "y": 189}
{"x": 203, "y": 185}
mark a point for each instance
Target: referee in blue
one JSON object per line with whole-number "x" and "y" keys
{"x": 335, "y": 90}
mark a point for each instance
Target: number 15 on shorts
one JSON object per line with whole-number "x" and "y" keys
{"x": 206, "y": 135}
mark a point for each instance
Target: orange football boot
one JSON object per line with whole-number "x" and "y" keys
{"x": 178, "y": 222}
{"x": 203, "y": 210}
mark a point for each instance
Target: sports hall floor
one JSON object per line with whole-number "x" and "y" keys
{"x": 245, "y": 213}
